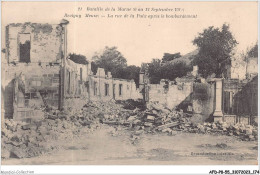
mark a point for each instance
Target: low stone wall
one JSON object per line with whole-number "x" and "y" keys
{"x": 230, "y": 119}
{"x": 248, "y": 120}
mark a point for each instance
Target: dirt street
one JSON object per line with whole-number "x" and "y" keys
{"x": 108, "y": 146}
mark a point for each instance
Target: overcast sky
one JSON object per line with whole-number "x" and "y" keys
{"x": 139, "y": 40}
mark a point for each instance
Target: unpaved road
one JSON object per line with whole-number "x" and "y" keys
{"x": 103, "y": 148}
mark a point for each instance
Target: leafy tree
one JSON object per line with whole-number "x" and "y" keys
{"x": 132, "y": 72}
{"x": 94, "y": 67}
{"x": 158, "y": 71}
{"x": 253, "y": 52}
{"x": 178, "y": 69}
{"x": 250, "y": 53}
{"x": 111, "y": 60}
{"x": 77, "y": 58}
{"x": 215, "y": 50}
{"x": 155, "y": 71}
{"x": 169, "y": 57}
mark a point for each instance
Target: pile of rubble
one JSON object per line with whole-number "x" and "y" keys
{"x": 157, "y": 118}
{"x": 240, "y": 130}
{"x": 21, "y": 139}
{"x": 132, "y": 104}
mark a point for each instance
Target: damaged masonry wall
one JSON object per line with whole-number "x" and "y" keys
{"x": 37, "y": 74}
{"x": 104, "y": 87}
{"x": 81, "y": 86}
{"x": 44, "y": 42}
{"x": 237, "y": 101}
{"x": 31, "y": 74}
{"x": 187, "y": 95}
{"x": 76, "y": 89}
{"x": 170, "y": 95}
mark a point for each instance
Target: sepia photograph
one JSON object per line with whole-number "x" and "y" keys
{"x": 129, "y": 83}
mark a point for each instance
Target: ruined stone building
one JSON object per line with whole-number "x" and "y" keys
{"x": 246, "y": 70}
{"x": 212, "y": 99}
{"x": 37, "y": 74}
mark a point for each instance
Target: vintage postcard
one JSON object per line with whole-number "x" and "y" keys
{"x": 129, "y": 83}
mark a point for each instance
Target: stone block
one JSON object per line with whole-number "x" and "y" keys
{"x": 167, "y": 130}
{"x": 230, "y": 119}
{"x": 218, "y": 119}
{"x": 150, "y": 117}
{"x": 148, "y": 124}
{"x": 131, "y": 118}
{"x": 168, "y": 125}
{"x": 244, "y": 120}
{"x": 16, "y": 152}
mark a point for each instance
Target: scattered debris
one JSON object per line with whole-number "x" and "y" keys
{"x": 20, "y": 139}
{"x": 157, "y": 118}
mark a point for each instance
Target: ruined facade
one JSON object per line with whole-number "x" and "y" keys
{"x": 214, "y": 99}
{"x": 104, "y": 87}
{"x": 31, "y": 74}
{"x": 37, "y": 74}
{"x": 187, "y": 93}
{"x": 246, "y": 69}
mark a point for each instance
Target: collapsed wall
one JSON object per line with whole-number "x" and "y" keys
{"x": 185, "y": 94}
{"x": 31, "y": 71}
{"x": 75, "y": 85}
{"x": 171, "y": 94}
{"x": 34, "y": 43}
{"x": 103, "y": 87}
{"x": 27, "y": 91}
{"x": 37, "y": 74}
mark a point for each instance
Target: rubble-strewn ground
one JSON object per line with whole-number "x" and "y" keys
{"x": 126, "y": 133}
